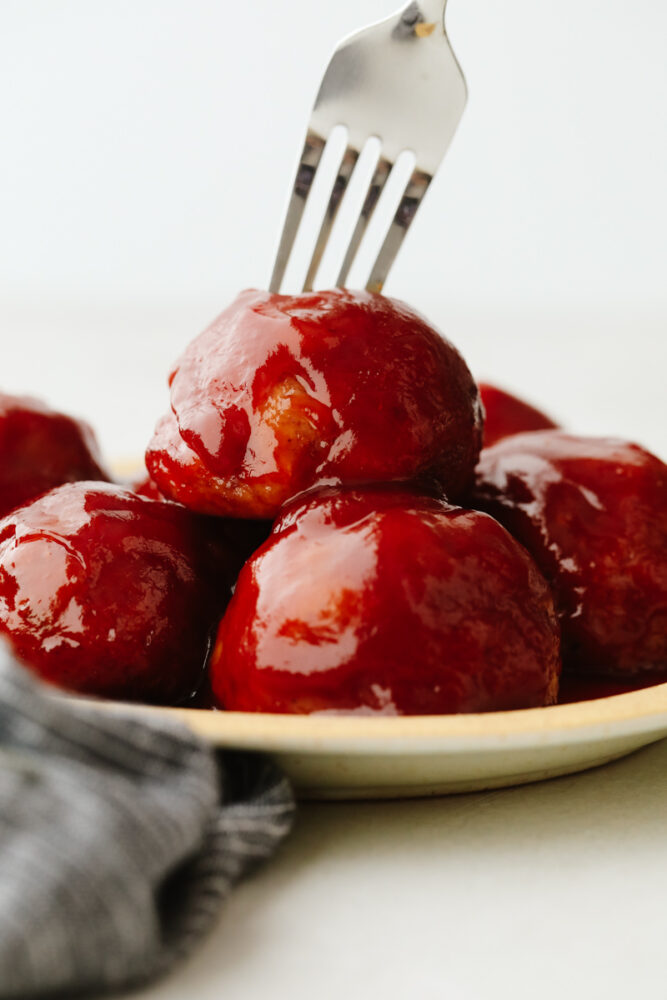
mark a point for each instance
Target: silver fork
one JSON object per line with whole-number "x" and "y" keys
{"x": 397, "y": 80}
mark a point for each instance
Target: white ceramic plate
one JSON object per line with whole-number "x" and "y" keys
{"x": 361, "y": 757}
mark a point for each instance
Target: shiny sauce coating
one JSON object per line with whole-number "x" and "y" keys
{"x": 282, "y": 393}
{"x": 108, "y": 593}
{"x": 593, "y": 514}
{"x": 387, "y": 602}
{"x": 41, "y": 449}
{"x": 506, "y": 414}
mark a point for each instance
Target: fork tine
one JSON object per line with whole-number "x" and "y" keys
{"x": 407, "y": 209}
{"x": 308, "y": 164}
{"x": 378, "y": 181}
{"x": 345, "y": 170}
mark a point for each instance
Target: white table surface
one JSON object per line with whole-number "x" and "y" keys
{"x": 547, "y": 891}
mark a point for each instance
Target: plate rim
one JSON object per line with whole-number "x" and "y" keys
{"x": 634, "y": 711}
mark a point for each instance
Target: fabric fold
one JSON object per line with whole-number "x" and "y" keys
{"x": 120, "y": 837}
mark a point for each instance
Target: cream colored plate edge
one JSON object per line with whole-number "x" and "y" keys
{"x": 336, "y": 757}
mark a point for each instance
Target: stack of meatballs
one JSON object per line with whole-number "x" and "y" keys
{"x": 329, "y": 526}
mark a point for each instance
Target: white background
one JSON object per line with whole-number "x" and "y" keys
{"x": 147, "y": 147}
{"x": 146, "y": 150}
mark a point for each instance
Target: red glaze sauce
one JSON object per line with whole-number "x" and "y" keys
{"x": 505, "y": 414}
{"x": 145, "y": 487}
{"x": 593, "y": 514}
{"x": 575, "y": 689}
{"x": 386, "y": 602}
{"x": 281, "y": 393}
{"x": 107, "y": 593}
{"x": 40, "y": 449}
{"x": 230, "y": 540}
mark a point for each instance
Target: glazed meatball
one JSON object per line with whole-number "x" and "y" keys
{"x": 593, "y": 513}
{"x": 107, "y": 593}
{"x": 505, "y": 414}
{"x": 282, "y": 393}
{"x": 230, "y": 540}
{"x": 387, "y": 602}
{"x": 40, "y": 449}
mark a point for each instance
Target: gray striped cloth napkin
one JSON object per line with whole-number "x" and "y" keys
{"x": 119, "y": 840}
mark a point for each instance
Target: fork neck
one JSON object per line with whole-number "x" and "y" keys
{"x": 425, "y": 12}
